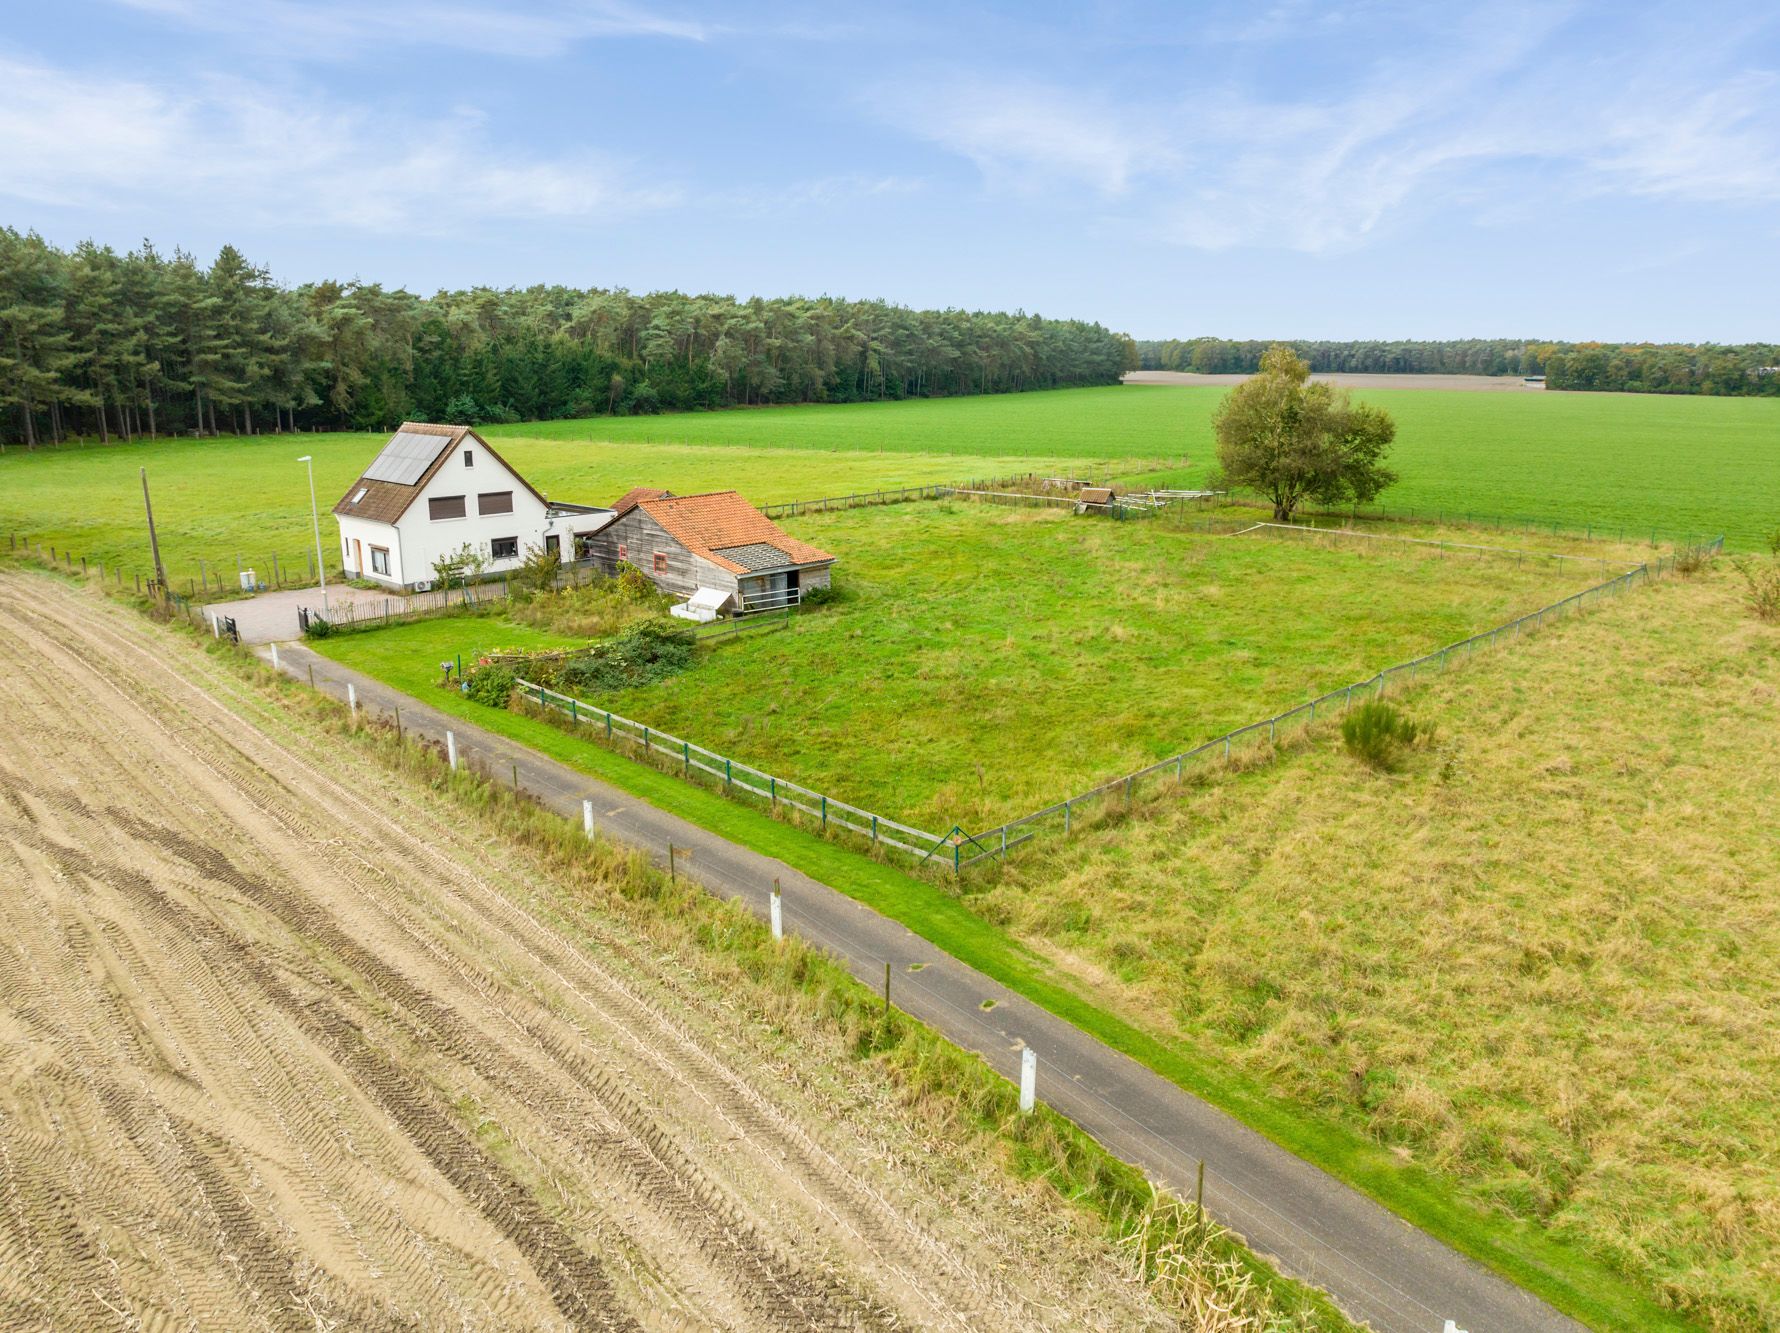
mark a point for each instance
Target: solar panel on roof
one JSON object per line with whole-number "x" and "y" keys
{"x": 406, "y": 457}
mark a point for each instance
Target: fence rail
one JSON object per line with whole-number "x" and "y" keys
{"x": 737, "y": 776}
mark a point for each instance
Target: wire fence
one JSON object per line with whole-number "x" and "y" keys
{"x": 1520, "y": 555}
{"x": 1536, "y": 527}
{"x": 733, "y": 776}
{"x": 1266, "y": 733}
{"x": 212, "y": 579}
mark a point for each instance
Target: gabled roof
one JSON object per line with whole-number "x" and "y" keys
{"x": 629, "y": 500}
{"x": 408, "y": 460}
{"x": 728, "y": 531}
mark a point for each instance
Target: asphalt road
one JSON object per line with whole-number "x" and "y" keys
{"x": 1379, "y": 1268}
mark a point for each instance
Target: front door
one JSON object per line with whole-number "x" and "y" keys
{"x": 358, "y": 557}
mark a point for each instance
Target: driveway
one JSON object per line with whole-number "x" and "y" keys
{"x": 270, "y": 617}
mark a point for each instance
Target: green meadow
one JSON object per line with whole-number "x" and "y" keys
{"x": 1617, "y": 461}
{"x": 1682, "y": 464}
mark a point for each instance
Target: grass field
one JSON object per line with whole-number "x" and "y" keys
{"x": 1615, "y": 460}
{"x": 985, "y": 662}
{"x": 1706, "y": 465}
{"x": 219, "y": 499}
{"x": 1543, "y": 961}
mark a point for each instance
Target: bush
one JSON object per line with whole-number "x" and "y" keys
{"x": 1376, "y": 734}
{"x": 489, "y": 683}
{"x": 650, "y": 652}
{"x": 318, "y": 628}
{"x": 593, "y": 610}
{"x": 824, "y": 596}
{"x": 634, "y": 583}
{"x": 536, "y": 575}
{"x": 1761, "y": 587}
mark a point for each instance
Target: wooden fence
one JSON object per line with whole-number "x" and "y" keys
{"x": 735, "y": 776}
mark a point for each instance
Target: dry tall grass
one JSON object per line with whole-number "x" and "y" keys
{"x": 1542, "y": 961}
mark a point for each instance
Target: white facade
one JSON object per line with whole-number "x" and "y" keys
{"x": 473, "y": 498}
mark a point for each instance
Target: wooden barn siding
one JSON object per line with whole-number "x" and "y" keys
{"x": 643, "y": 537}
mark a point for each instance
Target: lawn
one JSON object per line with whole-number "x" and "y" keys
{"x": 1706, "y": 465}
{"x": 984, "y": 662}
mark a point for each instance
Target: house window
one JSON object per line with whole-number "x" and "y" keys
{"x": 445, "y": 506}
{"x": 661, "y": 562}
{"x": 584, "y": 546}
{"x": 623, "y": 551}
{"x": 379, "y": 560}
{"x": 494, "y": 502}
{"x": 504, "y": 548}
{"x": 469, "y": 459}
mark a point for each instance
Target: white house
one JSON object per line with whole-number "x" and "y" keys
{"x": 433, "y": 489}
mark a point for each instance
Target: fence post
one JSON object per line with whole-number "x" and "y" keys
{"x": 777, "y": 913}
{"x": 352, "y": 700}
{"x": 1066, "y": 818}
{"x": 451, "y": 750}
{"x": 275, "y": 657}
{"x": 824, "y": 812}
{"x": 1028, "y": 1079}
{"x": 686, "y": 754}
{"x": 608, "y": 726}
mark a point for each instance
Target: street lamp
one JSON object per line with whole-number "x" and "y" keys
{"x": 321, "y": 569}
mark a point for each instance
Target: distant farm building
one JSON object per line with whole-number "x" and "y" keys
{"x": 715, "y": 549}
{"x": 432, "y": 490}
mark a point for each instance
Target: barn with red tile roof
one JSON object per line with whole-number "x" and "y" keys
{"x": 715, "y": 541}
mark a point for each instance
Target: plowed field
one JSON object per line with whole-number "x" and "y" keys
{"x": 285, "y": 1044}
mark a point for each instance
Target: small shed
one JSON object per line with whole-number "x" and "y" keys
{"x": 1093, "y": 499}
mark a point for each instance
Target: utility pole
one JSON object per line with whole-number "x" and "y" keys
{"x": 154, "y": 544}
{"x": 315, "y": 517}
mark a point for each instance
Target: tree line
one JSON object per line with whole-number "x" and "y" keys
{"x": 97, "y": 343}
{"x": 1741, "y": 368}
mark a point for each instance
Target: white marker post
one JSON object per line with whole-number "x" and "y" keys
{"x": 1028, "y": 1080}
{"x": 587, "y": 818}
{"x": 777, "y": 912}
{"x": 215, "y": 626}
{"x": 275, "y": 666}
{"x": 451, "y": 749}
{"x": 352, "y": 699}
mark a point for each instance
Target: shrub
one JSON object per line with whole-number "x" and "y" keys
{"x": 1761, "y": 586}
{"x": 1376, "y": 734}
{"x": 489, "y": 683}
{"x": 590, "y": 610}
{"x": 649, "y": 652}
{"x": 318, "y": 628}
{"x": 536, "y": 575}
{"x": 824, "y": 596}
{"x": 634, "y": 583}
{"x": 1690, "y": 560}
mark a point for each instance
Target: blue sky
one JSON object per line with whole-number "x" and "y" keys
{"x": 1253, "y": 170}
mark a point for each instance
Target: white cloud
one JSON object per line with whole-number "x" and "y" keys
{"x": 106, "y": 143}
{"x": 1022, "y": 135}
{"x": 1505, "y": 112}
{"x": 355, "y": 29}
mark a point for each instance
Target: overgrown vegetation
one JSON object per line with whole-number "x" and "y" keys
{"x": 1761, "y": 585}
{"x": 1377, "y": 733}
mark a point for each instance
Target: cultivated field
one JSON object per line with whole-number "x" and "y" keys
{"x": 288, "y": 1042}
{"x": 1706, "y": 465}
